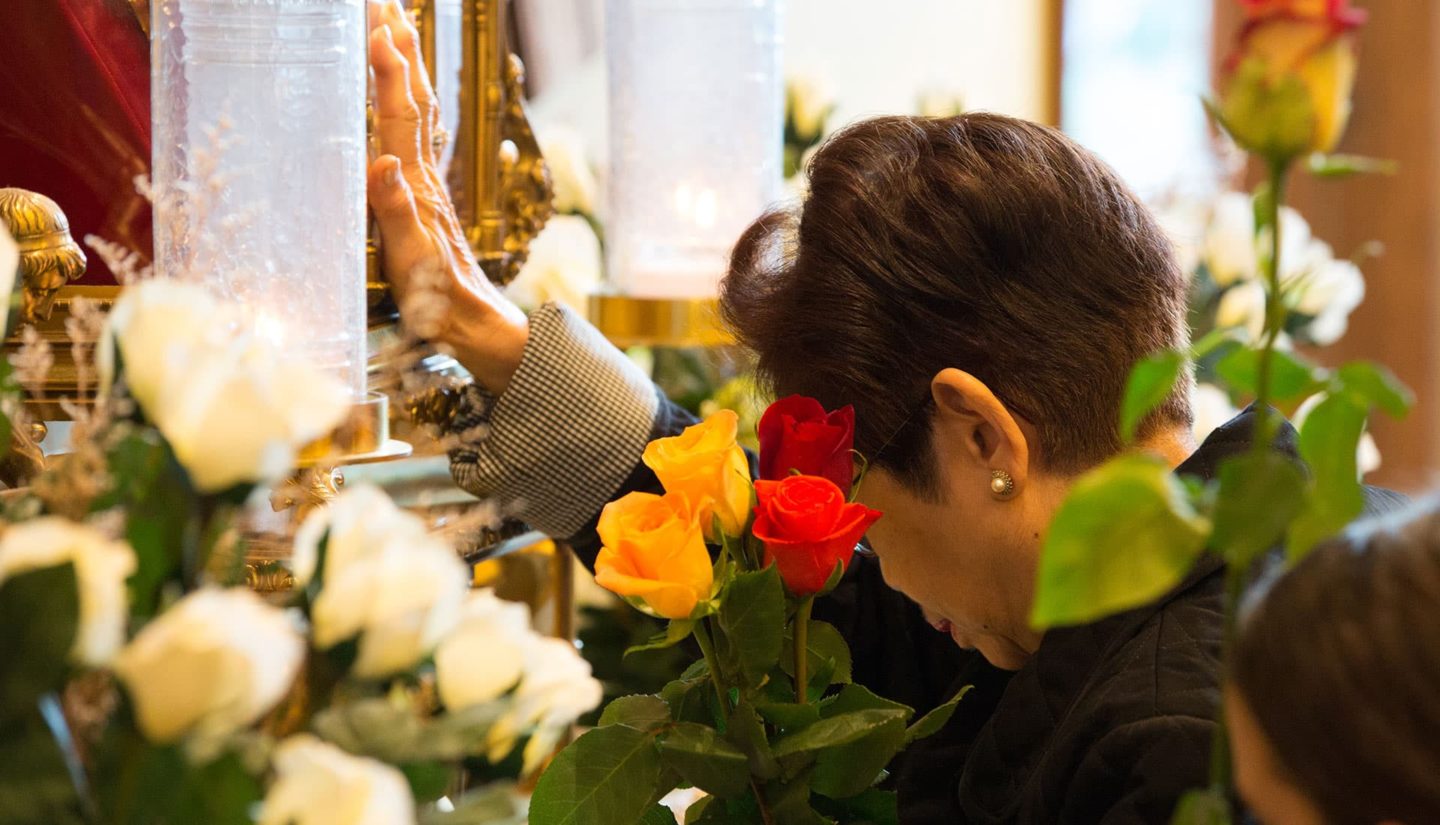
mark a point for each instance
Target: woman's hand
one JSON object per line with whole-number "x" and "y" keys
{"x": 424, "y": 246}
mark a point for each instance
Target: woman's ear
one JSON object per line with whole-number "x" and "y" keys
{"x": 971, "y": 422}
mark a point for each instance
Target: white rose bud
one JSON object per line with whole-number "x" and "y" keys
{"x": 386, "y": 579}
{"x": 1243, "y": 306}
{"x": 211, "y": 665}
{"x": 318, "y": 784}
{"x": 101, "y": 567}
{"x": 485, "y": 655}
{"x": 232, "y": 405}
{"x": 556, "y": 689}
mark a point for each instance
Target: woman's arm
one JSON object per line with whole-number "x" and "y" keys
{"x": 558, "y": 418}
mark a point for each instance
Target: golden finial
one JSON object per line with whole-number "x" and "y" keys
{"x": 49, "y": 257}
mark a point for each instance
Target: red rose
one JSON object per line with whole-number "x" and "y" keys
{"x": 796, "y": 434}
{"x": 807, "y": 527}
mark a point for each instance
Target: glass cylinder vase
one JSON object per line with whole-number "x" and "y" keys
{"x": 696, "y": 109}
{"x": 258, "y": 111}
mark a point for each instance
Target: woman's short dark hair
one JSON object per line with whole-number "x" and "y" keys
{"x": 1339, "y": 662}
{"x": 981, "y": 242}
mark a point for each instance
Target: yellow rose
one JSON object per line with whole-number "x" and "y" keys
{"x": 652, "y": 549}
{"x": 1290, "y": 79}
{"x": 704, "y": 466}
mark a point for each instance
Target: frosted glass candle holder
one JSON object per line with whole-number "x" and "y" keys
{"x": 696, "y": 108}
{"x": 259, "y": 165}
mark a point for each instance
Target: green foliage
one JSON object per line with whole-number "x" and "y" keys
{"x": 932, "y": 722}
{"x": 36, "y": 652}
{"x": 606, "y": 777}
{"x": 851, "y": 767}
{"x": 676, "y": 632}
{"x": 646, "y": 713}
{"x": 1126, "y": 534}
{"x": 35, "y": 783}
{"x": 160, "y": 785}
{"x": 1151, "y": 381}
{"x": 160, "y": 506}
{"x": 746, "y": 731}
{"x": 1259, "y": 496}
{"x": 1373, "y": 384}
{"x": 827, "y": 653}
{"x": 873, "y": 807}
{"x": 705, "y": 760}
{"x": 1343, "y": 166}
{"x": 395, "y": 733}
{"x": 752, "y": 617}
{"x": 1327, "y": 444}
{"x": 1291, "y": 379}
{"x": 490, "y": 805}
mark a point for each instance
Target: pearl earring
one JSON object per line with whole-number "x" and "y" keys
{"x": 1002, "y": 484}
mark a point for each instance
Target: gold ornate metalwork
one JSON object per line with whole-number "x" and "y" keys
{"x": 307, "y": 489}
{"x": 268, "y": 577}
{"x": 628, "y": 321}
{"x": 49, "y": 257}
{"x": 498, "y": 179}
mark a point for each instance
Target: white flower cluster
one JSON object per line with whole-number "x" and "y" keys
{"x": 1315, "y": 283}
{"x": 232, "y": 405}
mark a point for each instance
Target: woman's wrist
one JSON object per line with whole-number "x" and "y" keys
{"x": 488, "y": 340}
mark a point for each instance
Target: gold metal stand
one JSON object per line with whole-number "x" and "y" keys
{"x": 665, "y": 322}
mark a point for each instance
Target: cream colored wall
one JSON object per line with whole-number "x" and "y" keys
{"x": 877, "y": 57}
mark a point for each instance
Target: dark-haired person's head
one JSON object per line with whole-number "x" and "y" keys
{"x": 1333, "y": 704}
{"x": 978, "y": 287}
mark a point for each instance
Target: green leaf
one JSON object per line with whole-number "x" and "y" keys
{"x": 744, "y": 730}
{"x": 1258, "y": 498}
{"x": 398, "y": 734}
{"x": 1328, "y": 440}
{"x": 1124, "y": 535}
{"x": 159, "y": 504}
{"x": 1375, "y": 385}
{"x": 752, "y": 616}
{"x": 642, "y": 712}
{"x": 40, "y": 613}
{"x": 491, "y": 805}
{"x": 1290, "y": 377}
{"x": 35, "y": 785}
{"x": 1202, "y": 807}
{"x": 1152, "y": 380}
{"x": 687, "y": 699}
{"x": 678, "y": 631}
{"x": 837, "y": 731}
{"x": 658, "y": 815}
{"x": 827, "y": 649}
{"x": 931, "y": 723}
{"x": 1340, "y": 166}
{"x": 789, "y": 716}
{"x": 428, "y": 780}
{"x": 848, "y": 769}
{"x": 705, "y": 760}
{"x": 156, "y": 785}
{"x": 873, "y": 807}
{"x": 606, "y": 777}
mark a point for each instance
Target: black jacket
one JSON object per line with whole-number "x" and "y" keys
{"x": 1106, "y": 723}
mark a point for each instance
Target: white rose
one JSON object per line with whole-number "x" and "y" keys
{"x": 101, "y": 567}
{"x": 1367, "y": 452}
{"x": 1211, "y": 409}
{"x": 9, "y": 267}
{"x": 564, "y": 265}
{"x": 212, "y": 664}
{"x": 570, "y": 173}
{"x": 318, "y": 784}
{"x": 1232, "y": 247}
{"x": 1243, "y": 306}
{"x": 556, "y": 689}
{"x": 1328, "y": 290}
{"x": 485, "y": 655}
{"x": 233, "y": 406}
{"x": 386, "y": 579}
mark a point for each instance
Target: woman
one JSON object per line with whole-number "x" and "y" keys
{"x": 1333, "y": 704}
{"x": 978, "y": 288}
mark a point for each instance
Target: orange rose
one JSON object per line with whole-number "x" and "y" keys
{"x": 1290, "y": 79}
{"x": 704, "y": 466}
{"x": 652, "y": 550}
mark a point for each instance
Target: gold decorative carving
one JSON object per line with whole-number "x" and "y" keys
{"x": 527, "y": 193}
{"x": 49, "y": 257}
{"x": 307, "y": 489}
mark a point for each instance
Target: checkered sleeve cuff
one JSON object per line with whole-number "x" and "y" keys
{"x": 564, "y": 435}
